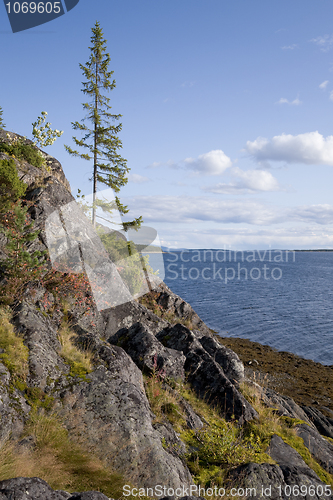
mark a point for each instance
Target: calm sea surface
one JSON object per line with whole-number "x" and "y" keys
{"x": 283, "y": 299}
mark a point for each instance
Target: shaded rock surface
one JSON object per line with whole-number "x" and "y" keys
{"x": 148, "y": 353}
{"x": 323, "y": 424}
{"x": 205, "y": 375}
{"x": 286, "y": 405}
{"x": 320, "y": 448}
{"x": 278, "y": 483}
{"x": 232, "y": 366}
{"x": 125, "y": 315}
{"x": 28, "y": 488}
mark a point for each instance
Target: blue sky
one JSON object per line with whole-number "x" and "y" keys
{"x": 227, "y": 112}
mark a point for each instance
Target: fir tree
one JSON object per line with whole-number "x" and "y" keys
{"x": 100, "y": 141}
{"x": 2, "y": 125}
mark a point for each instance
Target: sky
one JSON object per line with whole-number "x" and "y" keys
{"x": 227, "y": 112}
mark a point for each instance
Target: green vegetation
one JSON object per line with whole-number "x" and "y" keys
{"x": 21, "y": 150}
{"x": 129, "y": 262}
{"x": 80, "y": 361}
{"x": 20, "y": 265}
{"x": 15, "y": 355}
{"x": 11, "y": 187}
{"x": 43, "y": 134}
{"x": 2, "y": 125}
{"x": 55, "y": 458}
{"x": 220, "y": 446}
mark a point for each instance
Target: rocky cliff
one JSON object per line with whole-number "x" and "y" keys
{"x": 144, "y": 389}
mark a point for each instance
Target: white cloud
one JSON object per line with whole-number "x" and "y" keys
{"x": 325, "y": 42}
{"x": 310, "y": 148}
{"x": 323, "y": 85}
{"x": 137, "y": 179}
{"x": 194, "y": 210}
{"x": 290, "y": 47}
{"x": 250, "y": 181}
{"x": 247, "y": 238}
{"x": 295, "y": 102}
{"x": 213, "y": 163}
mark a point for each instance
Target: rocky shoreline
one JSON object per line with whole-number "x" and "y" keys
{"x": 309, "y": 383}
{"x": 143, "y": 393}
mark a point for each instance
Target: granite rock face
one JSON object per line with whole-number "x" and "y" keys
{"x": 40, "y": 334}
{"x": 323, "y": 424}
{"x": 27, "y": 488}
{"x": 172, "y": 303}
{"x": 286, "y": 406}
{"x": 14, "y": 410}
{"x": 110, "y": 409}
{"x": 148, "y": 353}
{"x": 205, "y": 375}
{"x": 112, "y": 412}
{"x": 320, "y": 448}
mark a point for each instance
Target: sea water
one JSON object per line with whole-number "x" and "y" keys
{"x": 280, "y": 298}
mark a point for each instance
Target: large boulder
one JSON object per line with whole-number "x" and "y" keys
{"x": 148, "y": 353}
{"x": 40, "y": 336}
{"x": 112, "y": 412}
{"x": 125, "y": 315}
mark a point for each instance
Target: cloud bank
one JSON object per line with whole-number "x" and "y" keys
{"x": 310, "y": 148}
{"x": 192, "y": 209}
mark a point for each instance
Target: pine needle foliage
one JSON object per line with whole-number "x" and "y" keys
{"x": 2, "y": 125}
{"x": 11, "y": 187}
{"x": 100, "y": 142}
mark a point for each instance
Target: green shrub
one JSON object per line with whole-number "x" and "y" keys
{"x": 11, "y": 187}
{"x": 15, "y": 355}
{"x": 20, "y": 266}
{"x": 22, "y": 151}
